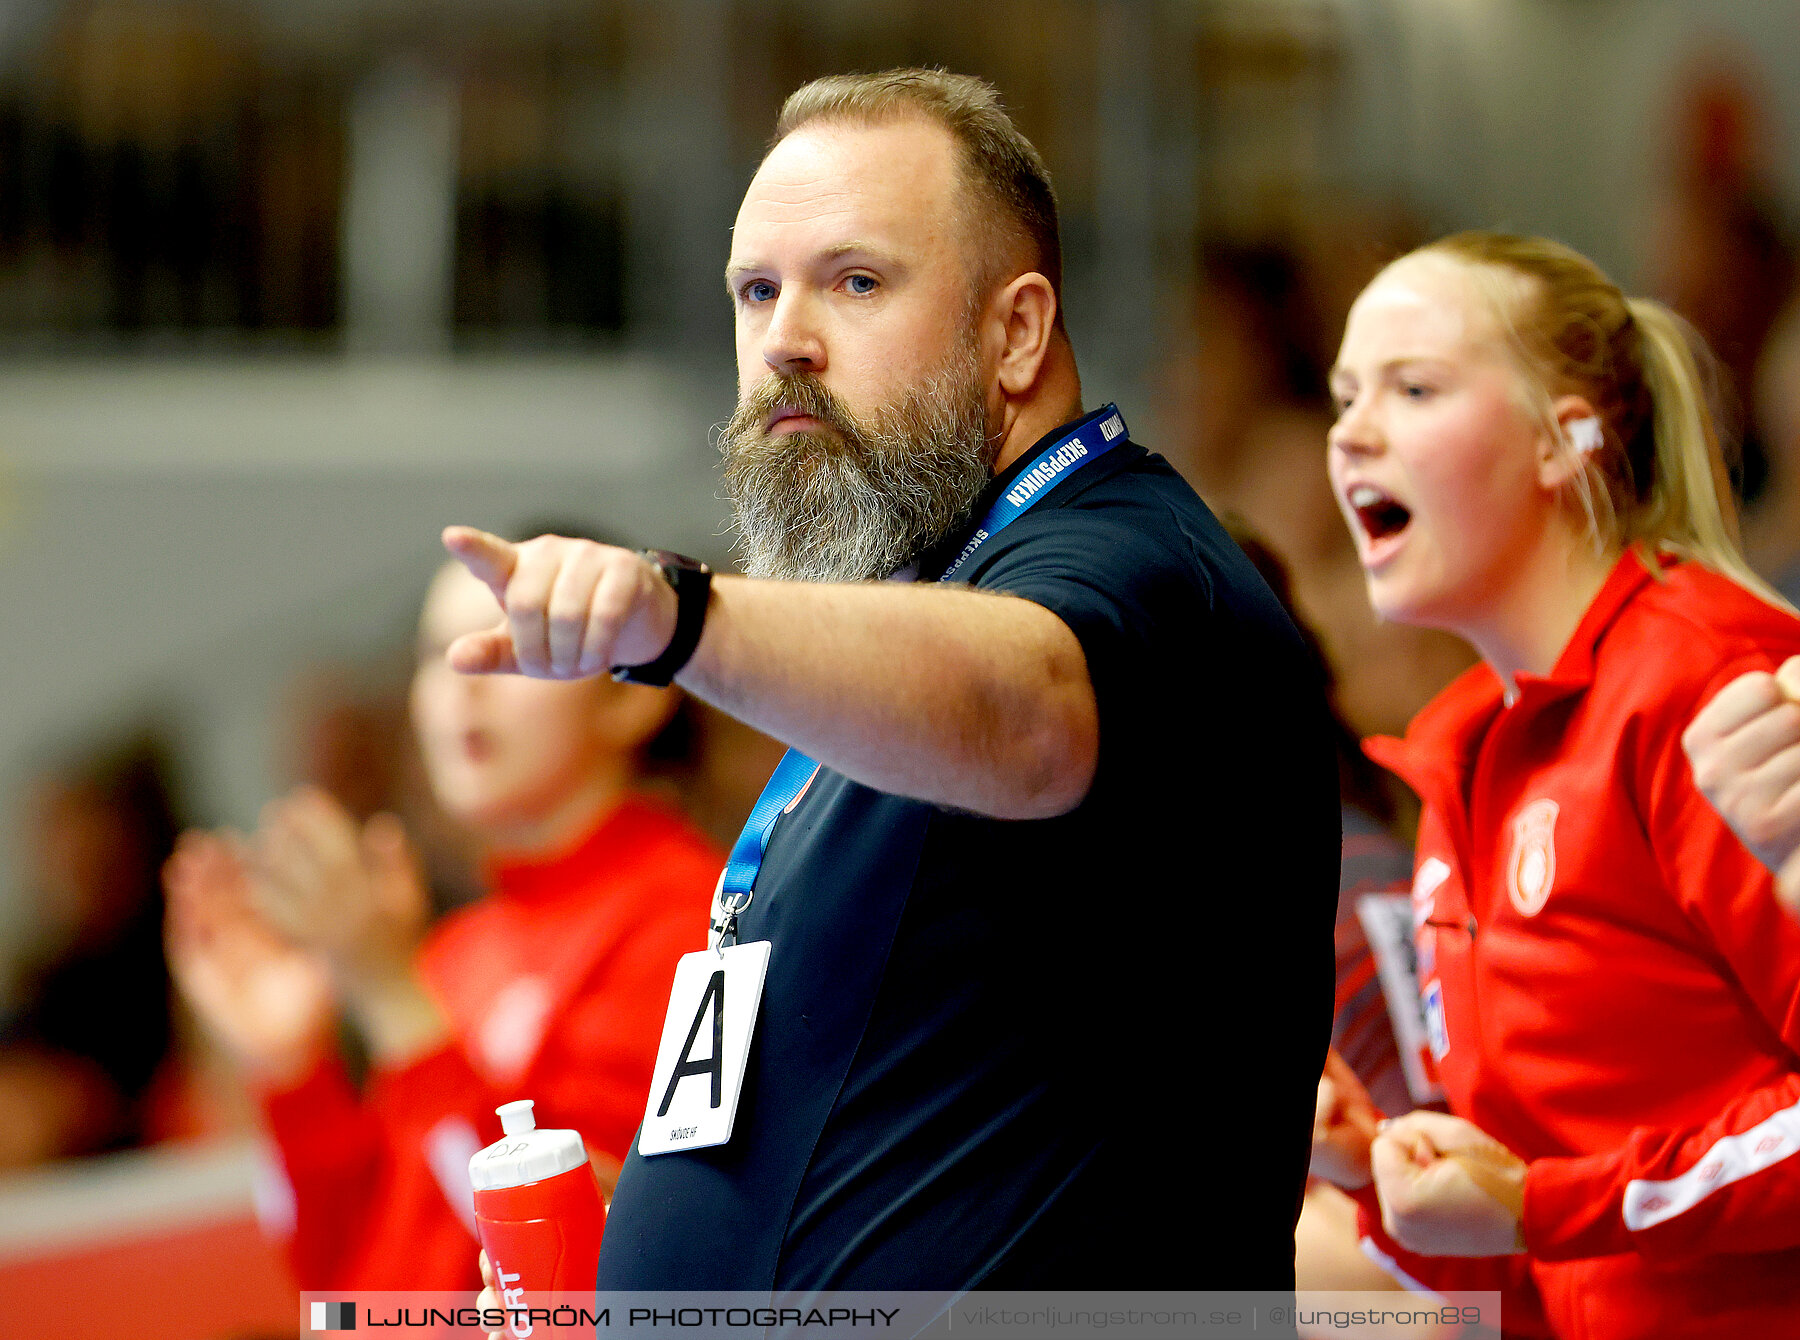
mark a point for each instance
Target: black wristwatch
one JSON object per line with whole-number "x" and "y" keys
{"x": 692, "y": 581}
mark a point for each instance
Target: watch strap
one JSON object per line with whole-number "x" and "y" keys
{"x": 692, "y": 581}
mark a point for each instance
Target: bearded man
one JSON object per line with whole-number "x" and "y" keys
{"x": 1027, "y": 1020}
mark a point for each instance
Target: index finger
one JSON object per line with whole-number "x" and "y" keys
{"x": 488, "y": 558}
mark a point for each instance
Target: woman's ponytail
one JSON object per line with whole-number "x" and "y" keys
{"x": 1688, "y": 506}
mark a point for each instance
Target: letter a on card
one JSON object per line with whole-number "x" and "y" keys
{"x": 705, "y": 1047}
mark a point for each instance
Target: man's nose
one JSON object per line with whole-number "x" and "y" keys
{"x": 793, "y": 342}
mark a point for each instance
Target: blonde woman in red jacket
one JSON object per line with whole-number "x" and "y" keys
{"x": 1610, "y": 986}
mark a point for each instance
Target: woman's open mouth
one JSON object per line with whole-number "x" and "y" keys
{"x": 1382, "y": 518}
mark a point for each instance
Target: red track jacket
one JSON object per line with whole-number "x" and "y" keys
{"x": 555, "y": 987}
{"x": 1615, "y": 991}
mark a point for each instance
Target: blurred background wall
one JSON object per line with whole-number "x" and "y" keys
{"x": 285, "y": 285}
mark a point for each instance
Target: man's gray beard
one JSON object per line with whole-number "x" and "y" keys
{"x": 867, "y": 499}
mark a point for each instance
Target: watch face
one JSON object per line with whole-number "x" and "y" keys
{"x": 668, "y": 558}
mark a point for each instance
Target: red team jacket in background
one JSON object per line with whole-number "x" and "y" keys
{"x": 1617, "y": 989}
{"x": 555, "y": 986}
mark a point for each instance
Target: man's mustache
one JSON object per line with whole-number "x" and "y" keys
{"x": 800, "y": 391}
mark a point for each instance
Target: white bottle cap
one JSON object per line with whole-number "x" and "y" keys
{"x": 524, "y": 1154}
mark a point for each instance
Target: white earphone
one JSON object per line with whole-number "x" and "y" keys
{"x": 1586, "y": 435}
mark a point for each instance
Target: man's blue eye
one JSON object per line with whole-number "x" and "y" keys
{"x": 861, "y": 285}
{"x": 759, "y": 290}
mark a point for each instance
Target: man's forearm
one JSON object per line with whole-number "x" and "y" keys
{"x": 964, "y": 698}
{"x": 961, "y": 697}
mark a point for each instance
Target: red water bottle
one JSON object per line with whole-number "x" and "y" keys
{"x": 537, "y": 1208}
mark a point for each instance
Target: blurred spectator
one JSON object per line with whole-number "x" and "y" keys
{"x": 1772, "y": 524}
{"x": 1721, "y": 250}
{"x": 552, "y": 988}
{"x": 78, "y": 1058}
{"x": 1257, "y": 412}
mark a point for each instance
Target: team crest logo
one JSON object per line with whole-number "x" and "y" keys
{"x": 1532, "y": 870}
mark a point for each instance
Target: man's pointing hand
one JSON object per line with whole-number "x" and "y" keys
{"x": 572, "y": 608}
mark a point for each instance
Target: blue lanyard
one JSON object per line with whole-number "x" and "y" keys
{"x": 1087, "y": 440}
{"x": 783, "y": 787}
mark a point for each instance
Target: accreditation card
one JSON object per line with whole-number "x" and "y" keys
{"x": 705, "y": 1048}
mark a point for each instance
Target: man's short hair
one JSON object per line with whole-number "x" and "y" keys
{"x": 1007, "y": 187}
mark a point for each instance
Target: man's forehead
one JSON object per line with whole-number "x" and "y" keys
{"x": 893, "y": 183}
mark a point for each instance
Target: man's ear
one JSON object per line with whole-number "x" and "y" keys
{"x": 1579, "y": 433}
{"x": 1026, "y": 312}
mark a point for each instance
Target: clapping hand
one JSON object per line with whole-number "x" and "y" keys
{"x": 351, "y": 891}
{"x": 268, "y": 1002}
{"x": 354, "y": 893}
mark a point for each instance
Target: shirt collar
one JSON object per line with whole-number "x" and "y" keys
{"x": 1451, "y": 726}
{"x": 1574, "y": 668}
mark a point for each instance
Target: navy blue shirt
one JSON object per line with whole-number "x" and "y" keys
{"x": 1015, "y": 1054}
